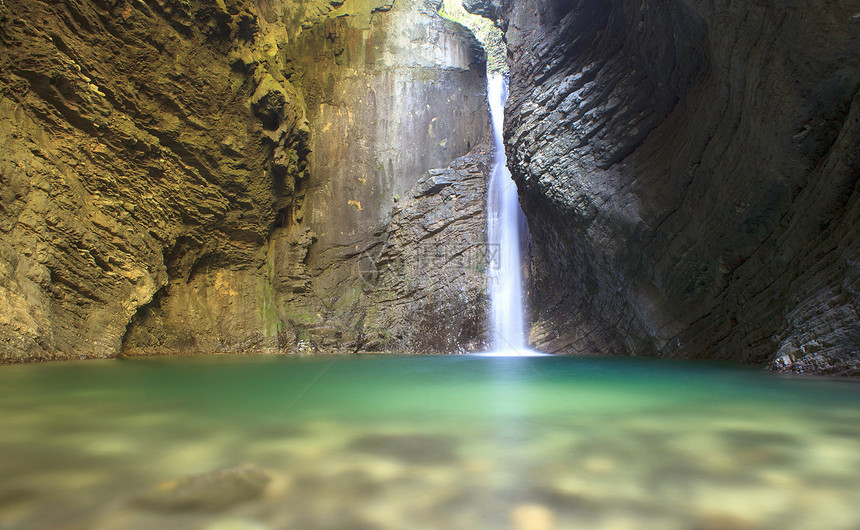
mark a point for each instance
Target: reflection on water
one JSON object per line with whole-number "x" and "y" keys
{"x": 425, "y": 442}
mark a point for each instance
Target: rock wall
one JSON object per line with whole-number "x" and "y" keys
{"x": 129, "y": 159}
{"x": 390, "y": 92}
{"x": 428, "y": 283}
{"x": 690, "y": 169}
{"x": 189, "y": 166}
{"x": 390, "y": 98}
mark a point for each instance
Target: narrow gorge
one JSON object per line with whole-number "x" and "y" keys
{"x": 690, "y": 174}
{"x": 310, "y": 176}
{"x": 271, "y": 176}
{"x": 429, "y": 264}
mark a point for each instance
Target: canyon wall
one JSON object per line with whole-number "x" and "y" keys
{"x": 223, "y": 175}
{"x": 689, "y": 170}
{"x": 389, "y": 91}
{"x": 272, "y": 175}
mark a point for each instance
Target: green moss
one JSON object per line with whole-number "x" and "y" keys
{"x": 485, "y": 30}
{"x": 269, "y": 314}
{"x": 266, "y": 88}
{"x": 349, "y": 297}
{"x": 300, "y": 315}
{"x": 274, "y": 317}
{"x": 371, "y": 314}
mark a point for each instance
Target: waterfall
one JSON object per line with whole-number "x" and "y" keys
{"x": 505, "y": 222}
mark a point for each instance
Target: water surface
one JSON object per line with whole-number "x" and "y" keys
{"x": 428, "y": 442}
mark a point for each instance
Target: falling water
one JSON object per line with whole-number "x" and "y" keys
{"x": 504, "y": 222}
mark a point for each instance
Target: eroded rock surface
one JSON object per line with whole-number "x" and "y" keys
{"x": 428, "y": 284}
{"x": 130, "y": 159}
{"x": 213, "y": 171}
{"x": 690, "y": 174}
{"x": 390, "y": 92}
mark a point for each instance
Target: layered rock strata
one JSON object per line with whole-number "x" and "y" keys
{"x": 690, "y": 174}
{"x": 390, "y": 93}
{"x": 429, "y": 279}
{"x": 129, "y": 159}
{"x": 212, "y": 170}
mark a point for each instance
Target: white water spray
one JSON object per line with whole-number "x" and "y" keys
{"x": 505, "y": 220}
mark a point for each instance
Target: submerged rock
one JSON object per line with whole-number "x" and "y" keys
{"x": 211, "y": 491}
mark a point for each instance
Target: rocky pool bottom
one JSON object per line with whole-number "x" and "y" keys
{"x": 425, "y": 442}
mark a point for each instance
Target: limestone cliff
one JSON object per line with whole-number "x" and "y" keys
{"x": 213, "y": 170}
{"x": 690, "y": 174}
{"x": 129, "y": 158}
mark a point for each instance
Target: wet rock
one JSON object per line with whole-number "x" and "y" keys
{"x": 434, "y": 182}
{"x": 373, "y": 91}
{"x": 429, "y": 291}
{"x": 216, "y": 490}
{"x": 671, "y": 217}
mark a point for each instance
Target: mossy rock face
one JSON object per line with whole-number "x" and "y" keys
{"x": 221, "y": 175}
{"x": 270, "y": 103}
{"x": 132, "y": 174}
{"x": 407, "y": 92}
{"x": 478, "y": 17}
